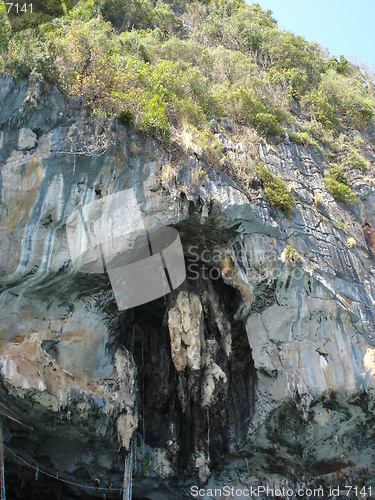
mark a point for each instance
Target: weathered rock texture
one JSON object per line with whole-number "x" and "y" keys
{"x": 257, "y": 370}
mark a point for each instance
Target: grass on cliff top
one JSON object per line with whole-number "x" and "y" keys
{"x": 192, "y": 61}
{"x": 178, "y": 66}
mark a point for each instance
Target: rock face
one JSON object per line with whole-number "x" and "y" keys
{"x": 258, "y": 369}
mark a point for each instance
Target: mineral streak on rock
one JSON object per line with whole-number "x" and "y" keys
{"x": 264, "y": 374}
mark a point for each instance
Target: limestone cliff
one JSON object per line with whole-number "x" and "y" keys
{"x": 258, "y": 369}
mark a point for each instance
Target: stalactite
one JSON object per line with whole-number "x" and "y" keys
{"x": 143, "y": 400}
{"x": 128, "y": 472}
{"x": 208, "y": 434}
{"x": 2, "y": 470}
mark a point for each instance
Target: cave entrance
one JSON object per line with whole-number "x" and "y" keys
{"x": 172, "y": 416}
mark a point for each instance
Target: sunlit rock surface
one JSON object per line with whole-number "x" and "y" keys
{"x": 258, "y": 369}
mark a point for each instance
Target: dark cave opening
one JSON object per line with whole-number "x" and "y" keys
{"x": 171, "y": 413}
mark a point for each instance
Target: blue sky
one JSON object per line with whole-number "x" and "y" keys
{"x": 343, "y": 26}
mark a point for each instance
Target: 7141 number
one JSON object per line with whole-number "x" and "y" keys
{"x": 18, "y": 8}
{"x": 357, "y": 491}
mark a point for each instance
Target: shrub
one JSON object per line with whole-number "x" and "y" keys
{"x": 247, "y": 105}
{"x": 296, "y": 61}
{"x": 154, "y": 120}
{"x": 127, "y": 14}
{"x": 305, "y": 139}
{"x": 29, "y": 52}
{"x": 267, "y": 124}
{"x": 281, "y": 115}
{"x": 275, "y": 190}
{"x": 340, "y": 98}
{"x": 321, "y": 109}
{"x": 125, "y": 117}
{"x": 318, "y": 132}
{"x": 203, "y": 143}
{"x": 337, "y": 174}
{"x": 337, "y": 185}
{"x": 187, "y": 109}
{"x": 291, "y": 253}
{"x": 340, "y": 191}
{"x": 165, "y": 20}
{"x": 343, "y": 226}
{"x": 355, "y": 159}
{"x": 341, "y": 66}
{"x": 43, "y": 11}
{"x": 293, "y": 80}
{"x": 5, "y": 30}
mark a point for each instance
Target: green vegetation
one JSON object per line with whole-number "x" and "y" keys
{"x": 355, "y": 159}
{"x": 41, "y": 12}
{"x": 127, "y": 55}
{"x": 176, "y": 70}
{"x": 343, "y": 226}
{"x": 125, "y": 117}
{"x": 154, "y": 119}
{"x": 291, "y": 254}
{"x": 267, "y": 124}
{"x": 337, "y": 184}
{"x": 275, "y": 190}
{"x": 305, "y": 139}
